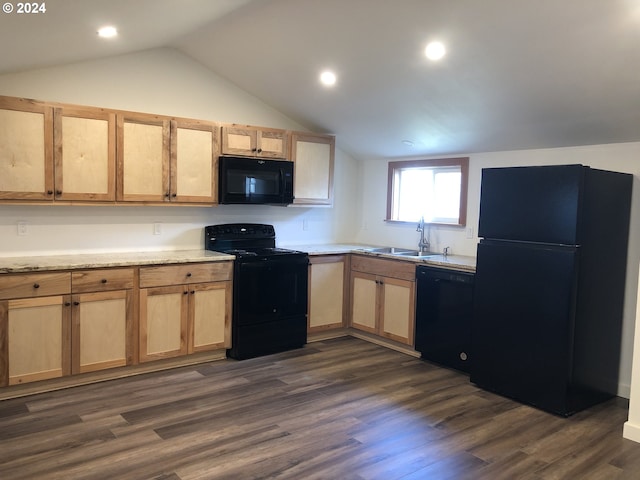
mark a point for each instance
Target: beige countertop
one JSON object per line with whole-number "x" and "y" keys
{"x": 457, "y": 262}
{"x": 42, "y": 263}
{"x": 39, "y": 263}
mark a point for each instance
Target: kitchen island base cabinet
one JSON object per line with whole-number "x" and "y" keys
{"x": 327, "y": 292}
{"x": 383, "y": 298}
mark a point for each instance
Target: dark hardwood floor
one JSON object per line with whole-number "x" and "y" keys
{"x": 336, "y": 409}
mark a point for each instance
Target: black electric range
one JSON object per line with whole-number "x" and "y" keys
{"x": 269, "y": 289}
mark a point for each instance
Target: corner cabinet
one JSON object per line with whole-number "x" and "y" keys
{"x": 255, "y": 142}
{"x": 313, "y": 158}
{"x": 184, "y": 309}
{"x": 383, "y": 298}
{"x": 166, "y": 160}
{"x": 328, "y": 276}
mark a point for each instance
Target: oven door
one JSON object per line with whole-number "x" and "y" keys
{"x": 270, "y": 289}
{"x": 255, "y": 181}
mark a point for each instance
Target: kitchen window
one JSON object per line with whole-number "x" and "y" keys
{"x": 434, "y": 189}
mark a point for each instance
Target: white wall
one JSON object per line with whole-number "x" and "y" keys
{"x": 161, "y": 81}
{"x": 623, "y": 157}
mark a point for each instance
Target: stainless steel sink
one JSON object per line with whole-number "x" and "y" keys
{"x": 415, "y": 253}
{"x": 393, "y": 250}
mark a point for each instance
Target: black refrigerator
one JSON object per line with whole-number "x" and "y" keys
{"x": 549, "y": 286}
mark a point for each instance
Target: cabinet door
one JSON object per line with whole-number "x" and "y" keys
{"x": 326, "y": 293}
{"x": 163, "y": 322}
{"x": 99, "y": 332}
{"x": 273, "y": 143}
{"x": 255, "y": 142}
{"x": 194, "y": 159}
{"x": 85, "y": 154}
{"x": 364, "y": 309}
{"x": 143, "y": 158}
{"x": 397, "y": 310}
{"x": 239, "y": 140}
{"x": 209, "y": 316}
{"x": 313, "y": 157}
{"x": 35, "y": 338}
{"x": 26, "y": 150}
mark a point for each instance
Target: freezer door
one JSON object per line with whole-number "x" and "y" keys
{"x": 522, "y": 330}
{"x": 531, "y": 204}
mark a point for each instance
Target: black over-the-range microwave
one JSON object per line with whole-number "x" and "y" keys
{"x": 254, "y": 181}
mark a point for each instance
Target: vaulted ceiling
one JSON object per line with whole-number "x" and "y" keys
{"x": 518, "y": 74}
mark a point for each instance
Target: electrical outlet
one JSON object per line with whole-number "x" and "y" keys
{"x": 469, "y": 232}
{"x": 157, "y": 228}
{"x": 305, "y": 224}
{"x": 22, "y": 229}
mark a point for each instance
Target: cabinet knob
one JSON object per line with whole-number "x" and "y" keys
{"x": 254, "y": 149}
{"x": 193, "y": 292}
{"x": 174, "y": 195}
{"x": 104, "y": 280}
{"x": 259, "y": 150}
{"x": 67, "y": 304}
{"x": 58, "y": 192}
{"x": 76, "y": 303}
{"x": 186, "y": 292}
{"x": 167, "y": 195}
{"x": 188, "y": 274}
{"x": 36, "y": 285}
{"x": 49, "y": 192}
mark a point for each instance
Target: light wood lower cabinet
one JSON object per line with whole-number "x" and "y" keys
{"x": 383, "y": 297}
{"x": 327, "y": 299}
{"x": 35, "y": 327}
{"x": 185, "y": 318}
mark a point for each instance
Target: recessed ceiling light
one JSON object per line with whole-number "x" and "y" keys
{"x": 435, "y": 51}
{"x": 107, "y": 32}
{"x": 328, "y": 78}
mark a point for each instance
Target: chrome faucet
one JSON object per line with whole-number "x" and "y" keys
{"x": 423, "y": 244}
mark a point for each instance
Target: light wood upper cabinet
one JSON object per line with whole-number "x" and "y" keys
{"x": 165, "y": 160}
{"x": 85, "y": 154}
{"x": 255, "y": 142}
{"x": 313, "y": 158}
{"x": 143, "y": 158}
{"x": 26, "y": 150}
{"x": 383, "y": 297}
{"x": 194, "y": 161}
{"x": 327, "y": 299}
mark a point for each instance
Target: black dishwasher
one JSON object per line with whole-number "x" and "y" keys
{"x": 444, "y": 307}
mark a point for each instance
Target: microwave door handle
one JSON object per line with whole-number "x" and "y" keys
{"x": 282, "y": 189}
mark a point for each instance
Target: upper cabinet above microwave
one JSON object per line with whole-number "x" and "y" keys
{"x": 255, "y": 141}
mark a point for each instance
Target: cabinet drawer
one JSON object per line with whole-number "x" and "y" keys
{"x": 383, "y": 267}
{"x": 186, "y": 273}
{"x": 34, "y": 285}
{"x": 102, "y": 280}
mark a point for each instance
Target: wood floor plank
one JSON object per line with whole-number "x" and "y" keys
{"x": 336, "y": 409}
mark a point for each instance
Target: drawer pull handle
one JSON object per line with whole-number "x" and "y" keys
{"x": 36, "y": 285}
{"x": 104, "y": 280}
